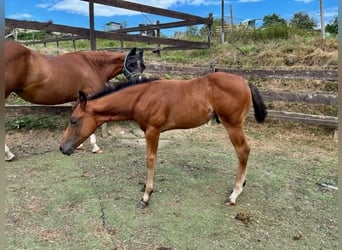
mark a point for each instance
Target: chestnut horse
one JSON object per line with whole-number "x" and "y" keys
{"x": 162, "y": 105}
{"x": 42, "y": 79}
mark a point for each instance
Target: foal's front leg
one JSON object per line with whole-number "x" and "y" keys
{"x": 152, "y": 139}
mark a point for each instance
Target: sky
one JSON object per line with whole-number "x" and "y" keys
{"x": 75, "y": 12}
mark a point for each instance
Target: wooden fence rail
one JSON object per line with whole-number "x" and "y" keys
{"x": 326, "y": 98}
{"x": 49, "y": 27}
{"x": 331, "y": 75}
{"x": 316, "y": 98}
{"x": 14, "y": 111}
{"x": 321, "y": 120}
{"x": 153, "y": 10}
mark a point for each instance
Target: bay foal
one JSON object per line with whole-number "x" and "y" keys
{"x": 163, "y": 105}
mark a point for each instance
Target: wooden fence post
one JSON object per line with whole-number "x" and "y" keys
{"x": 210, "y": 29}
{"x": 91, "y": 25}
{"x": 74, "y": 43}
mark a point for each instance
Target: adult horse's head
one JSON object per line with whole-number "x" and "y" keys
{"x": 82, "y": 124}
{"x": 134, "y": 65}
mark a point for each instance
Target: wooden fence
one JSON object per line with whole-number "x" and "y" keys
{"x": 326, "y": 98}
{"x": 186, "y": 20}
{"x": 122, "y": 34}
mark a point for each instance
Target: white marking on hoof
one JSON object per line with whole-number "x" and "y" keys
{"x": 8, "y": 154}
{"x": 229, "y": 202}
{"x": 96, "y": 149}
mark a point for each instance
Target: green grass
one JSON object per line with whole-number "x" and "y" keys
{"x": 89, "y": 201}
{"x": 35, "y": 122}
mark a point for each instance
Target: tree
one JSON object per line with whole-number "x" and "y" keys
{"x": 192, "y": 31}
{"x": 302, "y": 20}
{"x": 273, "y": 19}
{"x": 217, "y": 23}
{"x": 332, "y": 27}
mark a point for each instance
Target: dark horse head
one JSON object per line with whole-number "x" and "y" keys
{"x": 134, "y": 65}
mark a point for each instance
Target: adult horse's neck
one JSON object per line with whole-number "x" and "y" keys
{"x": 110, "y": 63}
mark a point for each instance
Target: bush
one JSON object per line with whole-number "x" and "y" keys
{"x": 274, "y": 31}
{"x": 37, "y": 35}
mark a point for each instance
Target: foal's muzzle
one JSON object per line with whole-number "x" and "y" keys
{"x": 66, "y": 149}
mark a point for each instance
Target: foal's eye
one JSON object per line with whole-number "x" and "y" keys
{"x": 73, "y": 121}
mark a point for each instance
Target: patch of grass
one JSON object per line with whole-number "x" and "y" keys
{"x": 89, "y": 201}
{"x": 16, "y": 100}
{"x": 36, "y": 122}
{"x": 55, "y": 200}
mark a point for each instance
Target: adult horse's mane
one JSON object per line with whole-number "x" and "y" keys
{"x": 119, "y": 86}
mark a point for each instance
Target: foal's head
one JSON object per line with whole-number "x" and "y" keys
{"x": 134, "y": 65}
{"x": 82, "y": 125}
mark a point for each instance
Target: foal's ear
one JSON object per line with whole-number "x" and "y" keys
{"x": 132, "y": 52}
{"x": 82, "y": 99}
{"x": 141, "y": 52}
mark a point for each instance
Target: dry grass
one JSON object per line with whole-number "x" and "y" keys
{"x": 294, "y": 53}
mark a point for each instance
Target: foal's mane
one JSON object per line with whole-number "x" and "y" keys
{"x": 119, "y": 86}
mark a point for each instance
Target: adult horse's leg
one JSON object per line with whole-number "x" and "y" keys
{"x": 241, "y": 145}
{"x": 8, "y": 154}
{"x": 94, "y": 147}
{"x": 152, "y": 139}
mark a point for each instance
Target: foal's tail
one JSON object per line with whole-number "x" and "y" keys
{"x": 260, "y": 111}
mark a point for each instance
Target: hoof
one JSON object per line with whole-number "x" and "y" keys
{"x": 98, "y": 151}
{"x": 142, "y": 204}
{"x": 243, "y": 185}
{"x": 9, "y": 157}
{"x": 228, "y": 202}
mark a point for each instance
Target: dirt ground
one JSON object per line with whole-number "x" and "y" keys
{"x": 23, "y": 142}
{"x": 37, "y": 141}
{"x": 60, "y": 202}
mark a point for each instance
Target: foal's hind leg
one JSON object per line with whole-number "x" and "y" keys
{"x": 152, "y": 140}
{"x": 240, "y": 143}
